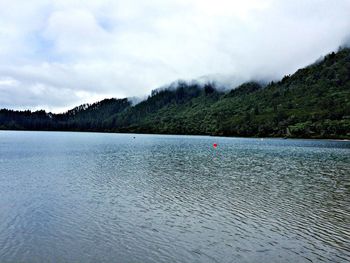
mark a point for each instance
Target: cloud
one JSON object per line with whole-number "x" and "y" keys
{"x": 57, "y": 54}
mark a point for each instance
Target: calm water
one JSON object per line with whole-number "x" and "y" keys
{"x": 86, "y": 197}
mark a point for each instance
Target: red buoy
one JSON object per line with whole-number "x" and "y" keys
{"x": 215, "y": 145}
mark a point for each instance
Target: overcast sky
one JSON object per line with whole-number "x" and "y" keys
{"x": 58, "y": 54}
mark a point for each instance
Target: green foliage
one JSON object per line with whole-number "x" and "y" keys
{"x": 314, "y": 102}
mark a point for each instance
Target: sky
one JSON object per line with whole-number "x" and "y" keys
{"x": 55, "y": 55}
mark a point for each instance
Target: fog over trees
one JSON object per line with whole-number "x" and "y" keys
{"x": 314, "y": 102}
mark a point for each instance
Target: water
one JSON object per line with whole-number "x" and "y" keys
{"x": 88, "y": 197}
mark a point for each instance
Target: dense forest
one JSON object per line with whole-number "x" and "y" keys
{"x": 314, "y": 102}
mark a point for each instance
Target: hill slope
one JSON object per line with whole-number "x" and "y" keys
{"x": 314, "y": 102}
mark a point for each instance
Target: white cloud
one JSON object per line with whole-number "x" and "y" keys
{"x": 62, "y": 53}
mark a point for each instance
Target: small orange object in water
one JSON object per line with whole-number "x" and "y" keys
{"x": 215, "y": 145}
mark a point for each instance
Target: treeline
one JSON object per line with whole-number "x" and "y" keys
{"x": 98, "y": 116}
{"x": 314, "y": 102}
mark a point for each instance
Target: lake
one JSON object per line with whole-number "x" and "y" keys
{"x": 93, "y": 197}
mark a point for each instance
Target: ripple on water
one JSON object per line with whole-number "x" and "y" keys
{"x": 87, "y": 197}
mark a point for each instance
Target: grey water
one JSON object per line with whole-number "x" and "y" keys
{"x": 92, "y": 197}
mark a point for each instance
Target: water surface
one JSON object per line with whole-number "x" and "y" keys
{"x": 89, "y": 197}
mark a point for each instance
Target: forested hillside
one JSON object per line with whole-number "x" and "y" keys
{"x": 314, "y": 102}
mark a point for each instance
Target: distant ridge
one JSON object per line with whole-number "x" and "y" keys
{"x": 314, "y": 102}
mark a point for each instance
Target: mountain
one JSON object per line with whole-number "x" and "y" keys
{"x": 314, "y": 102}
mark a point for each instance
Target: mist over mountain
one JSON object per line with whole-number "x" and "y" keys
{"x": 314, "y": 102}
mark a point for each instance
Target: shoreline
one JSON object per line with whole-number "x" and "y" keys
{"x": 174, "y": 134}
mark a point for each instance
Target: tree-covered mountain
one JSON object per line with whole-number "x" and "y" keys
{"x": 314, "y": 102}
